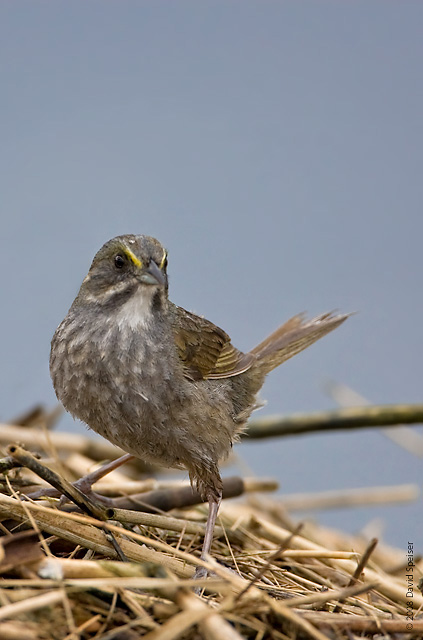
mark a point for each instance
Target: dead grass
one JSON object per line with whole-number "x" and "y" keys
{"x": 62, "y": 577}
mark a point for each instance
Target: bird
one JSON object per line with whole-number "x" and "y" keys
{"x": 162, "y": 383}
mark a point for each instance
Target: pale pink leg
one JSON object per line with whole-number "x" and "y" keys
{"x": 214, "y": 504}
{"x": 85, "y": 483}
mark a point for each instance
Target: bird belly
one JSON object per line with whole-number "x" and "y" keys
{"x": 133, "y": 392}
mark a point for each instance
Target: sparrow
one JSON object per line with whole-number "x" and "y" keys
{"x": 160, "y": 382}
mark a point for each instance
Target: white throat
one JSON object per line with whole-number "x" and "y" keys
{"x": 136, "y": 312}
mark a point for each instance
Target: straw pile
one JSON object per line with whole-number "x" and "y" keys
{"x": 125, "y": 571}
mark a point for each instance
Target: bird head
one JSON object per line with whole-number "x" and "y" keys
{"x": 124, "y": 267}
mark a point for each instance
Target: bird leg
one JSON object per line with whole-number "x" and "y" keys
{"x": 85, "y": 483}
{"x": 214, "y": 504}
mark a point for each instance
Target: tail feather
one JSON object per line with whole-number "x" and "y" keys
{"x": 294, "y": 336}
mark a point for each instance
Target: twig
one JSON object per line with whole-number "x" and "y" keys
{"x": 152, "y": 501}
{"x": 26, "y": 459}
{"x": 168, "y": 499}
{"x": 212, "y": 625}
{"x": 403, "y": 436}
{"x": 277, "y": 607}
{"x": 34, "y": 438}
{"x": 83, "y": 530}
{"x": 350, "y": 497}
{"x": 364, "y": 624}
{"x": 38, "y": 415}
{"x": 349, "y": 418}
{"x": 31, "y": 604}
{"x": 7, "y": 464}
{"x": 173, "y": 496}
{"x": 322, "y": 553}
{"x": 359, "y": 569}
{"x": 274, "y": 556}
{"x": 163, "y": 522}
{"x": 319, "y": 598}
{"x": 390, "y": 587}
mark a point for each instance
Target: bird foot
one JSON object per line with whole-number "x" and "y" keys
{"x": 200, "y": 574}
{"x": 88, "y": 493}
{"x": 84, "y": 484}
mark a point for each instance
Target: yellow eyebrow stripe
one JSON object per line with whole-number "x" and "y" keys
{"x": 131, "y": 256}
{"x": 163, "y": 259}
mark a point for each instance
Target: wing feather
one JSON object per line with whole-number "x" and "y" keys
{"x": 206, "y": 350}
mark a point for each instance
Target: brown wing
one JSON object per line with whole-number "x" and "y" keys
{"x": 205, "y": 349}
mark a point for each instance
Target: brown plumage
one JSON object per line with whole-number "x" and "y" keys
{"x": 160, "y": 382}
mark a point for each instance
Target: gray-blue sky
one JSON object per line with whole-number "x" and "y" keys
{"x": 274, "y": 147}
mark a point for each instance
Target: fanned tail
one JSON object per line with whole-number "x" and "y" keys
{"x": 292, "y": 337}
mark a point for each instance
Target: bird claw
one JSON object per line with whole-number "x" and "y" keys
{"x": 84, "y": 484}
{"x": 88, "y": 493}
{"x": 201, "y": 573}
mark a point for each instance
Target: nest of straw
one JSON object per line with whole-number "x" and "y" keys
{"x": 127, "y": 573}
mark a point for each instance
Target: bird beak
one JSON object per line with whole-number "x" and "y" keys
{"x": 152, "y": 275}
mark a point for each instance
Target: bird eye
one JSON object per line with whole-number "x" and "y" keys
{"x": 119, "y": 261}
